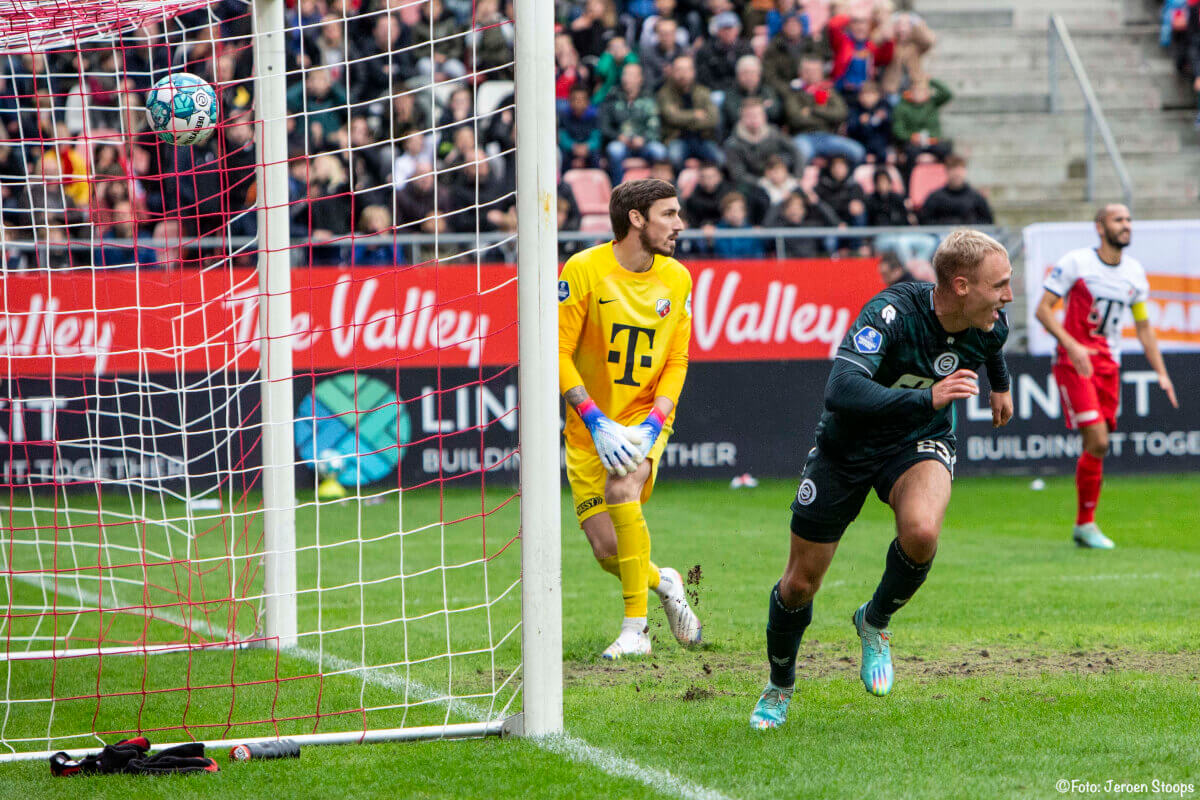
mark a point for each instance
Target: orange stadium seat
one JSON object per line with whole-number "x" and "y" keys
{"x": 591, "y": 187}
{"x": 925, "y": 179}
{"x": 635, "y": 174}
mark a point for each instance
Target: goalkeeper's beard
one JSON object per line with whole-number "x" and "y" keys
{"x": 650, "y": 247}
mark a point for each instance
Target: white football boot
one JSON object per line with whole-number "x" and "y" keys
{"x": 683, "y": 621}
{"x": 632, "y": 643}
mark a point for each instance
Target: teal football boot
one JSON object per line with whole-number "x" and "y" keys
{"x": 876, "y": 671}
{"x": 771, "y": 709}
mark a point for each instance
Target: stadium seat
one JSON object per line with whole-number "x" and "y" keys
{"x": 595, "y": 223}
{"x": 591, "y": 187}
{"x": 635, "y": 174}
{"x": 686, "y": 181}
{"x": 490, "y": 94}
{"x": 865, "y": 175}
{"x": 925, "y": 179}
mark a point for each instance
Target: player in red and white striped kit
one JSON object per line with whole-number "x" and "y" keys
{"x": 1099, "y": 284}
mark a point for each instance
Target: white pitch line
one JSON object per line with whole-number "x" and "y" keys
{"x": 571, "y": 747}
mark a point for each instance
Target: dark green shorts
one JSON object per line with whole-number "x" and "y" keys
{"x": 832, "y": 492}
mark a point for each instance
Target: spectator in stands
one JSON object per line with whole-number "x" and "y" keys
{"x": 1172, "y": 32}
{"x": 917, "y": 124}
{"x": 321, "y": 103}
{"x": 610, "y": 66}
{"x": 781, "y": 63}
{"x": 657, "y": 58}
{"x": 753, "y": 141}
{"x": 383, "y": 63}
{"x": 437, "y": 24}
{"x": 913, "y": 40}
{"x": 579, "y": 131}
{"x": 815, "y": 113}
{"x": 376, "y": 220}
{"x": 409, "y": 113}
{"x": 327, "y": 215}
{"x": 475, "y": 185}
{"x": 870, "y": 122}
{"x": 689, "y": 116}
{"x": 663, "y": 170}
{"x": 416, "y": 202}
{"x": 703, "y": 206}
{"x": 415, "y": 149}
{"x": 491, "y": 41}
{"x": 734, "y": 218}
{"x": 568, "y": 220}
{"x": 861, "y": 48}
{"x": 885, "y": 206}
{"x": 327, "y": 48}
{"x": 956, "y": 203}
{"x": 370, "y": 162}
{"x": 591, "y": 30}
{"x": 1193, "y": 32}
{"x": 749, "y": 83}
{"x": 569, "y": 72}
{"x": 629, "y": 123}
{"x": 842, "y": 193}
{"x": 459, "y": 113}
{"x": 798, "y": 211}
{"x": 777, "y": 180}
{"x": 652, "y": 33}
{"x": 716, "y": 60}
{"x": 112, "y": 253}
{"x": 892, "y": 271}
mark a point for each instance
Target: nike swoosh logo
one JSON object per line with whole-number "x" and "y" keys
{"x": 602, "y": 302}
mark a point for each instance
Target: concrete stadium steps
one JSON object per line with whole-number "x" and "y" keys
{"x": 1025, "y": 14}
{"x": 1032, "y": 163}
{"x": 1150, "y": 173}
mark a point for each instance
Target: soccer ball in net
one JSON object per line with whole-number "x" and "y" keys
{"x": 182, "y": 109}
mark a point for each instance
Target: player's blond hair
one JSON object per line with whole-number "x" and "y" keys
{"x": 961, "y": 253}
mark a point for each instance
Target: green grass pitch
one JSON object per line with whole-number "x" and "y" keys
{"x": 1022, "y": 661}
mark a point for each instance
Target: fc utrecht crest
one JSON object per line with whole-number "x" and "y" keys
{"x": 663, "y": 306}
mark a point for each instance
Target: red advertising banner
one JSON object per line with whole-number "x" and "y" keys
{"x": 122, "y": 322}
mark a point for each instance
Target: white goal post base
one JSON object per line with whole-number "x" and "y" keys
{"x": 511, "y": 726}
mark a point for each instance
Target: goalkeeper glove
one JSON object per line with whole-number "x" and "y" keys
{"x": 616, "y": 445}
{"x": 649, "y": 430}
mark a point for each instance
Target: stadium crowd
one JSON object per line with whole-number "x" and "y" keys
{"x": 1180, "y": 33}
{"x": 766, "y": 113}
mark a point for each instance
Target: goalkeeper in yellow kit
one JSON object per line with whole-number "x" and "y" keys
{"x": 624, "y": 321}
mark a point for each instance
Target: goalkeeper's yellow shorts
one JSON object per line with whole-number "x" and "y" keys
{"x": 587, "y": 477}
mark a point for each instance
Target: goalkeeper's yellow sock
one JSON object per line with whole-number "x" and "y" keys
{"x": 633, "y": 555}
{"x": 612, "y": 566}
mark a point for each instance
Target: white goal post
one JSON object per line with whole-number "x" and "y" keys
{"x": 258, "y": 480}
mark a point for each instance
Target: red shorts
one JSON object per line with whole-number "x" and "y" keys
{"x": 1087, "y": 401}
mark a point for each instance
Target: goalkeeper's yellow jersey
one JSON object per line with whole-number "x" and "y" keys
{"x": 622, "y": 335}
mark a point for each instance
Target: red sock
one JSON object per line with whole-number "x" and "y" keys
{"x": 1089, "y": 474}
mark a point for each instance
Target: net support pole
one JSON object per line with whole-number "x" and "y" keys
{"x": 537, "y": 276}
{"x": 275, "y": 324}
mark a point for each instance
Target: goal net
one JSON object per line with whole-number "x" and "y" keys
{"x": 259, "y": 463}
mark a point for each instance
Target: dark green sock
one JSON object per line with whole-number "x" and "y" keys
{"x": 901, "y": 579}
{"x": 785, "y": 629}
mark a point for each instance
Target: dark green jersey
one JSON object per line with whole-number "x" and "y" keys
{"x": 878, "y": 399}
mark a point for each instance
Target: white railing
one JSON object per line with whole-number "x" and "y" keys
{"x": 1093, "y": 116}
